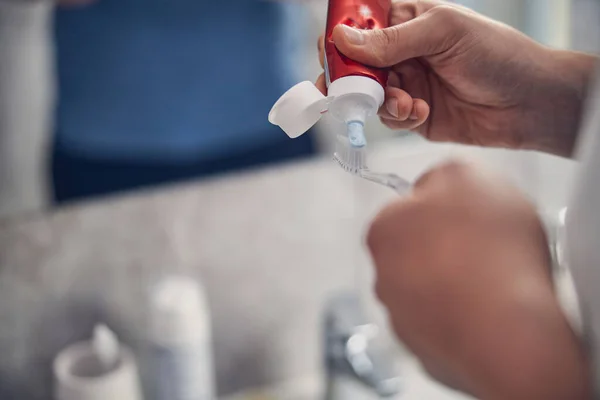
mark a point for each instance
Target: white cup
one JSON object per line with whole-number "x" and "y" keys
{"x": 79, "y": 375}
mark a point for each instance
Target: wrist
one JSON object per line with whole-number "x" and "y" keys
{"x": 557, "y": 107}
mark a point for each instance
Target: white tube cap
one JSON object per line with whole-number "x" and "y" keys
{"x": 303, "y": 105}
{"x": 298, "y": 109}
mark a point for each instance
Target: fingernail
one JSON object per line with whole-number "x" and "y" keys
{"x": 354, "y": 36}
{"x": 392, "y": 107}
{"x": 414, "y": 115}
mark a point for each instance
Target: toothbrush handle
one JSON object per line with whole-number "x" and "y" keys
{"x": 393, "y": 181}
{"x": 400, "y": 185}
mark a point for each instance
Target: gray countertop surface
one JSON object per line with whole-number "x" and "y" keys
{"x": 269, "y": 246}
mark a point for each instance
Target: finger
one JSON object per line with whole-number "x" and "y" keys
{"x": 398, "y": 104}
{"x": 413, "y": 77}
{"x": 394, "y": 80}
{"x": 419, "y": 114}
{"x": 321, "y": 85}
{"x": 321, "y": 47}
{"x": 421, "y": 111}
{"x": 433, "y": 32}
{"x": 404, "y": 11}
{"x": 401, "y": 13}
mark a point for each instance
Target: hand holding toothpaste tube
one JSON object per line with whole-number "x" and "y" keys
{"x": 459, "y": 76}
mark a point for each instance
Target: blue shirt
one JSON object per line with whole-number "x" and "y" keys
{"x": 172, "y": 80}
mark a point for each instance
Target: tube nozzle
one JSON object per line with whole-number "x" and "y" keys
{"x": 356, "y": 134}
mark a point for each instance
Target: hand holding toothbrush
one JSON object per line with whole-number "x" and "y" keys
{"x": 463, "y": 268}
{"x": 459, "y": 76}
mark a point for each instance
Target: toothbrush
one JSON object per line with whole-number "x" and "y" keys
{"x": 351, "y": 155}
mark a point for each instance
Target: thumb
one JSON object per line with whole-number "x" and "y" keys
{"x": 433, "y": 32}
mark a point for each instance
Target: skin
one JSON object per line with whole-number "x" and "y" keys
{"x": 464, "y": 271}
{"x": 458, "y": 76}
{"x": 463, "y": 263}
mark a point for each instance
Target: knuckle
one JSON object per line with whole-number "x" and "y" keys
{"x": 402, "y": 12}
{"x": 383, "y": 39}
{"x": 386, "y": 37}
{"x": 446, "y": 13}
{"x": 452, "y": 23}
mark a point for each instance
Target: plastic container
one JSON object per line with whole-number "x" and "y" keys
{"x": 180, "y": 334}
{"x": 97, "y": 370}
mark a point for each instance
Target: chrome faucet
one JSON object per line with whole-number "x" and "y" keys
{"x": 355, "y": 360}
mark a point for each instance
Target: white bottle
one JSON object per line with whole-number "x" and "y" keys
{"x": 181, "y": 339}
{"x": 99, "y": 369}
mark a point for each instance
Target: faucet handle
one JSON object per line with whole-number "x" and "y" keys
{"x": 353, "y": 347}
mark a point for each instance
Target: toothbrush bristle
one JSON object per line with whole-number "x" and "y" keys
{"x": 350, "y": 158}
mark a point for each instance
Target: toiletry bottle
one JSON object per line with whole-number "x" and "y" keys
{"x": 181, "y": 341}
{"x": 98, "y": 369}
{"x": 355, "y": 91}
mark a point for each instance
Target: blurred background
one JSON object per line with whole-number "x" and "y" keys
{"x": 134, "y": 146}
